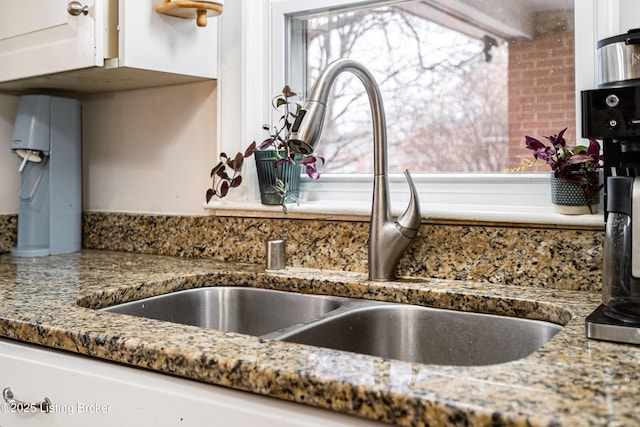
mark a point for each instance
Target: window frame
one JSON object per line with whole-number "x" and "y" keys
{"x": 259, "y": 71}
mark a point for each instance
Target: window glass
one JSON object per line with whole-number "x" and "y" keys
{"x": 461, "y": 88}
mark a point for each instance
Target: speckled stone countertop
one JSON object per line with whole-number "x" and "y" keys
{"x": 571, "y": 381}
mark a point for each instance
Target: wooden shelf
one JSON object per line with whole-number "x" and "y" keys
{"x": 198, "y": 10}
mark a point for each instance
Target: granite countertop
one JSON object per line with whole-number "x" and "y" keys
{"x": 571, "y": 381}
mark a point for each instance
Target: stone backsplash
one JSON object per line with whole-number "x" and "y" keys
{"x": 523, "y": 256}
{"x": 8, "y": 232}
{"x": 512, "y": 255}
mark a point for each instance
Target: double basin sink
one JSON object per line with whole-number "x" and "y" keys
{"x": 390, "y": 330}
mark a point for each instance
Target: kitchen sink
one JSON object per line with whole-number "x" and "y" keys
{"x": 427, "y": 335}
{"x": 248, "y": 311}
{"x": 390, "y": 330}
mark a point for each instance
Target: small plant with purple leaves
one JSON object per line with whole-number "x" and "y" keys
{"x": 227, "y": 173}
{"x": 570, "y": 164}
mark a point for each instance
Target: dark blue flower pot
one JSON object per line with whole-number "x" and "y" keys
{"x": 267, "y": 174}
{"x": 569, "y": 198}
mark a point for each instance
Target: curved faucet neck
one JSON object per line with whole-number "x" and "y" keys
{"x": 320, "y": 93}
{"x": 387, "y": 240}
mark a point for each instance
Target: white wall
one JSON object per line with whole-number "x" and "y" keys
{"x": 144, "y": 151}
{"x": 150, "y": 150}
{"x": 629, "y": 16}
{"x": 9, "y": 162}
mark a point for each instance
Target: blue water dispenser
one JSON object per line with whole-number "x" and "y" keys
{"x": 47, "y": 138}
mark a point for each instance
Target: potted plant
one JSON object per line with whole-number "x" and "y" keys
{"x": 278, "y": 165}
{"x": 575, "y": 180}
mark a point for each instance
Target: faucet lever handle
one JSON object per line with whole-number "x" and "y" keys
{"x": 409, "y": 221}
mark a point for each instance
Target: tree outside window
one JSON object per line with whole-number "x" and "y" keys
{"x": 449, "y": 103}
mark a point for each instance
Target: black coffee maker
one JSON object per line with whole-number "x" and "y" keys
{"x": 611, "y": 113}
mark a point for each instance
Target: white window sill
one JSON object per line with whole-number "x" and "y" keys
{"x": 431, "y": 212}
{"x": 512, "y": 199}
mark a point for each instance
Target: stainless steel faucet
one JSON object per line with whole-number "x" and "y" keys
{"x": 388, "y": 240}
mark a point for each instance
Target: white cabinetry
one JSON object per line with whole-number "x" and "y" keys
{"x": 88, "y": 392}
{"x": 116, "y": 45}
{"x": 41, "y": 37}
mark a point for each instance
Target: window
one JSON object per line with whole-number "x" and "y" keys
{"x": 253, "y": 69}
{"x": 429, "y": 75}
{"x": 449, "y": 75}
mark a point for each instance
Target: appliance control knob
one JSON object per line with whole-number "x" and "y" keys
{"x": 613, "y": 123}
{"x": 612, "y": 101}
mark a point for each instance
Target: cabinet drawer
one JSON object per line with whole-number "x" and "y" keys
{"x": 85, "y": 391}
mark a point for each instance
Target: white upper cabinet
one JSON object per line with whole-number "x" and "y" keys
{"x": 150, "y": 40}
{"x": 94, "y": 46}
{"x": 41, "y": 37}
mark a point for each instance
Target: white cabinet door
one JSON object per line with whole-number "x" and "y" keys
{"x": 151, "y": 41}
{"x": 41, "y": 37}
{"x": 118, "y": 45}
{"x": 88, "y": 392}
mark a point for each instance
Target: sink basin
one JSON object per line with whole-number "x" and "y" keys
{"x": 231, "y": 309}
{"x": 427, "y": 335}
{"x": 395, "y": 331}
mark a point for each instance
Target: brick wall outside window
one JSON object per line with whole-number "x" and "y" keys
{"x": 541, "y": 91}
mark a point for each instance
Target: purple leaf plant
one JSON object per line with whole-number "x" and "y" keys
{"x": 577, "y": 165}
{"x": 227, "y": 173}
